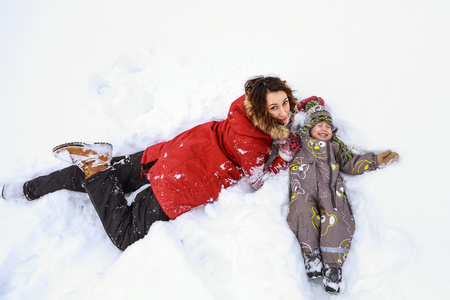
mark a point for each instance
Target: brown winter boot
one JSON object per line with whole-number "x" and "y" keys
{"x": 90, "y": 158}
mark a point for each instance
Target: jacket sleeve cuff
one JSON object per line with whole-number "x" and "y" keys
{"x": 285, "y": 157}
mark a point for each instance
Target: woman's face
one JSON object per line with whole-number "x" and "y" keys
{"x": 278, "y": 106}
{"x": 322, "y": 131}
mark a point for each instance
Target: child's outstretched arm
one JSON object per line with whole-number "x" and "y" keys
{"x": 361, "y": 163}
{"x": 386, "y": 158}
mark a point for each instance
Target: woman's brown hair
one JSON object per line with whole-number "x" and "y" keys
{"x": 256, "y": 90}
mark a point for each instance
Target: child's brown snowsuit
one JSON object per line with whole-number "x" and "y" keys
{"x": 319, "y": 212}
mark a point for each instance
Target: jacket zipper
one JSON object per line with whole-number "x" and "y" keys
{"x": 330, "y": 182}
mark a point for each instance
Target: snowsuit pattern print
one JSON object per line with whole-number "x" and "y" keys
{"x": 319, "y": 211}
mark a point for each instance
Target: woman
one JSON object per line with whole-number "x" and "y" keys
{"x": 185, "y": 172}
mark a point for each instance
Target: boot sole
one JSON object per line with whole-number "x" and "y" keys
{"x": 78, "y": 144}
{"x": 2, "y": 188}
{"x": 314, "y": 275}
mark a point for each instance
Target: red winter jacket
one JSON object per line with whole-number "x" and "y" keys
{"x": 192, "y": 168}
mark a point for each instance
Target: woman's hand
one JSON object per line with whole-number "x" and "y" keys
{"x": 289, "y": 147}
{"x": 301, "y": 106}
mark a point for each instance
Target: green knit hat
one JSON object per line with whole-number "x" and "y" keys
{"x": 316, "y": 113}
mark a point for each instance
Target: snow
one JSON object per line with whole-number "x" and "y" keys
{"x": 140, "y": 72}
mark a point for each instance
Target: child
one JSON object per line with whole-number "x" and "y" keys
{"x": 319, "y": 212}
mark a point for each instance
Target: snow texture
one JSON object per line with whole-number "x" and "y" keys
{"x": 140, "y": 72}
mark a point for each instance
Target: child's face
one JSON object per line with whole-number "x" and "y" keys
{"x": 322, "y": 131}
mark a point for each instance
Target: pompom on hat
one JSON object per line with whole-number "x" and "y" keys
{"x": 316, "y": 113}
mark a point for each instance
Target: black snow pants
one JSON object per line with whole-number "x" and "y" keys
{"x": 124, "y": 224}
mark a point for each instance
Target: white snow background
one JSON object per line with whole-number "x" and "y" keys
{"x": 134, "y": 73}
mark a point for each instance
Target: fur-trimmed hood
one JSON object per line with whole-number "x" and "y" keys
{"x": 268, "y": 124}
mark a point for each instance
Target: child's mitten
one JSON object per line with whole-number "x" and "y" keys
{"x": 387, "y": 157}
{"x": 289, "y": 147}
{"x": 301, "y": 106}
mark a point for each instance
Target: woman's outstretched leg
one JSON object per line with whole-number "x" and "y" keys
{"x": 106, "y": 181}
{"x": 70, "y": 178}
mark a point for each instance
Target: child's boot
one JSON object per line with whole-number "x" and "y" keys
{"x": 332, "y": 277}
{"x": 90, "y": 158}
{"x": 313, "y": 264}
